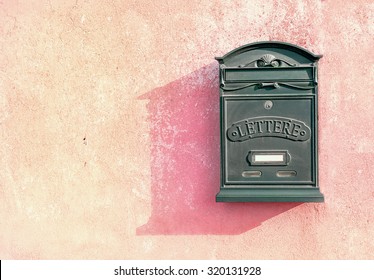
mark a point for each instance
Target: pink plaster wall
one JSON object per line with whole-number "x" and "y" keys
{"x": 109, "y": 130}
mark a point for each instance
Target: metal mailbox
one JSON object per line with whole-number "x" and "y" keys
{"x": 268, "y": 107}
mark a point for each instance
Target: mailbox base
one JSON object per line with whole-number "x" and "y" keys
{"x": 287, "y": 194}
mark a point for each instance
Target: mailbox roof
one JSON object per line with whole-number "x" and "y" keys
{"x": 286, "y": 49}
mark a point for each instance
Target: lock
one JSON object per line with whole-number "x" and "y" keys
{"x": 268, "y": 101}
{"x": 268, "y": 105}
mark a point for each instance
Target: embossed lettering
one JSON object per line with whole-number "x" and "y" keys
{"x": 240, "y": 132}
{"x": 259, "y": 129}
{"x": 277, "y": 126}
{"x": 268, "y": 122}
{"x": 286, "y": 128}
{"x": 268, "y": 127}
{"x": 296, "y": 131}
{"x": 251, "y": 128}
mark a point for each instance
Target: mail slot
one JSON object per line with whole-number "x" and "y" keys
{"x": 268, "y": 107}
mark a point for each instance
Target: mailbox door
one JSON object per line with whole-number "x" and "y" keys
{"x": 269, "y": 140}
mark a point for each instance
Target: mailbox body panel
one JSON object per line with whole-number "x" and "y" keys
{"x": 269, "y": 124}
{"x": 261, "y": 119}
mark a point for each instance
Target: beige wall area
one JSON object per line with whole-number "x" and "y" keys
{"x": 109, "y": 130}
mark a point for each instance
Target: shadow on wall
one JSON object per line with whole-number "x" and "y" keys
{"x": 184, "y": 120}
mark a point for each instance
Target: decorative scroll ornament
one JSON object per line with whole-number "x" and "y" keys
{"x": 268, "y": 60}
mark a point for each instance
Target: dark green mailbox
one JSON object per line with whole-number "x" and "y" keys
{"x": 268, "y": 103}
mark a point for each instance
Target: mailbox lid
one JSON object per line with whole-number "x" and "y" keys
{"x": 265, "y": 64}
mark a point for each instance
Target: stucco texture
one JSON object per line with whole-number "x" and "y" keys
{"x": 109, "y": 130}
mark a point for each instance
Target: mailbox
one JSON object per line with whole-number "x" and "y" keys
{"x": 268, "y": 107}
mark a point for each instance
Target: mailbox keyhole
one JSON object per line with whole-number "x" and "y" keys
{"x": 268, "y": 105}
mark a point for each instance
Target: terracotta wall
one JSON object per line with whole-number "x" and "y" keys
{"x": 109, "y": 126}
